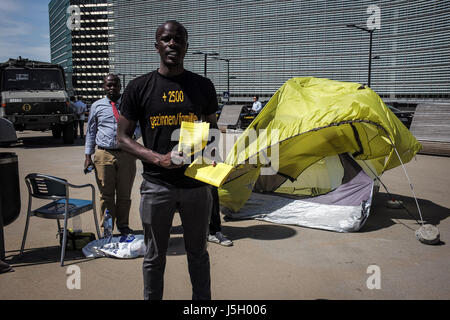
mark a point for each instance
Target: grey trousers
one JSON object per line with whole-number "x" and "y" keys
{"x": 157, "y": 208}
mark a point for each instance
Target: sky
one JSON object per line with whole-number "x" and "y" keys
{"x": 24, "y": 30}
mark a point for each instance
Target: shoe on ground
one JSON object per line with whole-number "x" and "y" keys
{"x": 124, "y": 231}
{"x": 4, "y": 267}
{"x": 219, "y": 238}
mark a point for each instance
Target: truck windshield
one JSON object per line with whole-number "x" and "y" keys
{"x": 32, "y": 79}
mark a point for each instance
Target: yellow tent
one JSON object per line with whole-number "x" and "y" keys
{"x": 308, "y": 137}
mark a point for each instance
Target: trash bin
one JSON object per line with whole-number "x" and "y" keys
{"x": 9, "y": 187}
{"x": 9, "y": 193}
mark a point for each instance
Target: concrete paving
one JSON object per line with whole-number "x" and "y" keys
{"x": 267, "y": 261}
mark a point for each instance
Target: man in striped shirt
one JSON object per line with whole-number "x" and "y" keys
{"x": 115, "y": 169}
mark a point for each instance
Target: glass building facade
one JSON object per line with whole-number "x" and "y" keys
{"x": 61, "y": 39}
{"x": 79, "y": 41}
{"x": 262, "y": 43}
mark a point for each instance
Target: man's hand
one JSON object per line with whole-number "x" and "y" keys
{"x": 171, "y": 160}
{"x": 87, "y": 161}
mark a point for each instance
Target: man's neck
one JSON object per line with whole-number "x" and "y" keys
{"x": 170, "y": 71}
{"x": 113, "y": 99}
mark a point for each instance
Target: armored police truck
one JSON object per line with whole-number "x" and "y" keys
{"x": 34, "y": 97}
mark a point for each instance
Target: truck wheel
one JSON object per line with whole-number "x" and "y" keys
{"x": 68, "y": 134}
{"x": 56, "y": 132}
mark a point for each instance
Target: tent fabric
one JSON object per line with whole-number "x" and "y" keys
{"x": 343, "y": 210}
{"x": 306, "y": 123}
{"x": 322, "y": 116}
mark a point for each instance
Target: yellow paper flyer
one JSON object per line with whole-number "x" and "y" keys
{"x": 193, "y": 137}
{"x": 205, "y": 172}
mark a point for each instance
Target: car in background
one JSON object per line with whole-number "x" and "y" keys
{"x": 404, "y": 116}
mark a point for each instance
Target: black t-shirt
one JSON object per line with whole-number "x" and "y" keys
{"x": 160, "y": 104}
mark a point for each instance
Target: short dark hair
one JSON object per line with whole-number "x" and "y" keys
{"x": 111, "y": 75}
{"x": 173, "y": 22}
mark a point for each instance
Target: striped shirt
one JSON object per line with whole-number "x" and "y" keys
{"x": 101, "y": 126}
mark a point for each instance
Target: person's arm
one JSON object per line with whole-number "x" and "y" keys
{"x": 125, "y": 130}
{"x": 87, "y": 160}
{"x": 91, "y": 133}
{"x": 126, "y": 126}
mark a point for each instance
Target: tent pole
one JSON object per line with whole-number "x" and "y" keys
{"x": 410, "y": 184}
{"x": 389, "y": 193}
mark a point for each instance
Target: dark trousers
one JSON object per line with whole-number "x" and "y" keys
{"x": 157, "y": 208}
{"x": 215, "y": 224}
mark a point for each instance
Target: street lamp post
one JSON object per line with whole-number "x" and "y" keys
{"x": 370, "y": 31}
{"x": 228, "y": 74}
{"x": 206, "y": 54}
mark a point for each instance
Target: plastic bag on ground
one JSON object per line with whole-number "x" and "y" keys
{"x": 122, "y": 247}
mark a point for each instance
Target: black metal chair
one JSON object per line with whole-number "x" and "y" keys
{"x": 61, "y": 207}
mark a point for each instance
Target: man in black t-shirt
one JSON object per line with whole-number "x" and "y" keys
{"x": 160, "y": 101}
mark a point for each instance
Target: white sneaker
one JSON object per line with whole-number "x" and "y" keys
{"x": 220, "y": 239}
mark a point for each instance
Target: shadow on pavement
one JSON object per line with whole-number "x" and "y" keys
{"x": 44, "y": 255}
{"x": 383, "y": 217}
{"x": 36, "y": 142}
{"x": 259, "y": 232}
